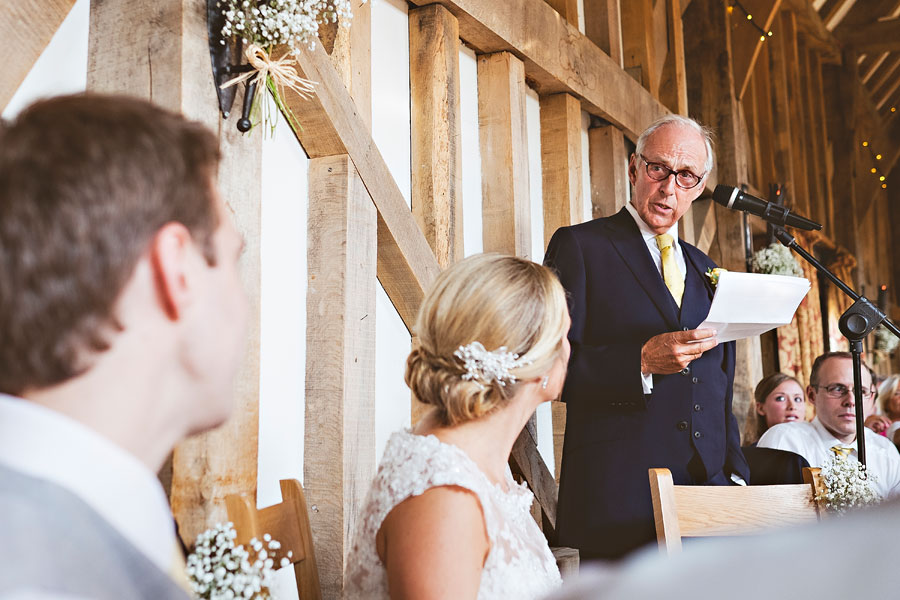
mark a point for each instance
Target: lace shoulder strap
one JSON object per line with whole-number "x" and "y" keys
{"x": 413, "y": 464}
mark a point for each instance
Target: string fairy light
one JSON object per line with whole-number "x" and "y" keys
{"x": 763, "y": 34}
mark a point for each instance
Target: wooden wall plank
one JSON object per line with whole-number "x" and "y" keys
{"x": 406, "y": 264}
{"x": 506, "y": 217}
{"x": 813, "y": 153}
{"x": 339, "y": 445}
{"x": 823, "y": 153}
{"x": 557, "y": 57}
{"x": 673, "y": 82}
{"x": 26, "y": 28}
{"x": 638, "y": 51}
{"x": 561, "y": 166}
{"x": 436, "y": 152}
{"x": 603, "y": 26}
{"x": 609, "y": 170}
{"x": 783, "y": 142}
{"x": 568, "y": 9}
{"x": 798, "y": 116}
{"x": 131, "y": 51}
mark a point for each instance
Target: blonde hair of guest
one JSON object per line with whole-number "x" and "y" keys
{"x": 499, "y": 301}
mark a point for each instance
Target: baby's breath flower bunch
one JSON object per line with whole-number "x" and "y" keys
{"x": 776, "y": 259}
{"x": 218, "y": 569}
{"x": 264, "y": 24}
{"x": 885, "y": 341}
{"x": 846, "y": 485}
{"x": 269, "y": 23}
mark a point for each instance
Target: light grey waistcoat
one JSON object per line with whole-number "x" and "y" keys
{"x": 52, "y": 541}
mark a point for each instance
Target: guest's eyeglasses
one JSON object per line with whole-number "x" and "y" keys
{"x": 684, "y": 179}
{"x": 839, "y": 390}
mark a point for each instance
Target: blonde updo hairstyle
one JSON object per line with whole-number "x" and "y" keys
{"x": 494, "y": 299}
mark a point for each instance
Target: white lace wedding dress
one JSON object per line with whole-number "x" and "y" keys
{"x": 519, "y": 563}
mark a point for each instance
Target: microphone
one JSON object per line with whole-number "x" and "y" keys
{"x": 734, "y": 198}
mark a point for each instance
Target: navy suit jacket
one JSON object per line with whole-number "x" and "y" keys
{"x": 614, "y": 432}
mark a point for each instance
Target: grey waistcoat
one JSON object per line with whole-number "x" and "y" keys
{"x": 52, "y": 541}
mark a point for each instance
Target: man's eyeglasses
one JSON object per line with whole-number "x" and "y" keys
{"x": 659, "y": 172}
{"x": 839, "y": 390}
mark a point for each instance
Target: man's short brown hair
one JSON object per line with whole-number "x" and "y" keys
{"x": 85, "y": 183}
{"x": 820, "y": 360}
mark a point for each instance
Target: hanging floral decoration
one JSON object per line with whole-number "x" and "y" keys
{"x": 269, "y": 27}
{"x": 776, "y": 259}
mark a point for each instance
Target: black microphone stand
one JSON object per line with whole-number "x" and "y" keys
{"x": 856, "y": 323}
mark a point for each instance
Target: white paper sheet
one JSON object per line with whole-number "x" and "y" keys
{"x": 748, "y": 304}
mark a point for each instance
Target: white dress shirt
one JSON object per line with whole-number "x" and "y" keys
{"x": 655, "y": 253}
{"x": 813, "y": 442}
{"x": 47, "y": 445}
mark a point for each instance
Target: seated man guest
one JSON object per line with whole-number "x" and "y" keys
{"x": 833, "y": 431}
{"x": 122, "y": 318}
{"x": 889, "y": 399}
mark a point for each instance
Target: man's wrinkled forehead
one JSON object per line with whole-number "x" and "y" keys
{"x": 678, "y": 146}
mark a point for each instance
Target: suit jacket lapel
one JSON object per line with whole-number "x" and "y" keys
{"x": 628, "y": 242}
{"x": 698, "y": 292}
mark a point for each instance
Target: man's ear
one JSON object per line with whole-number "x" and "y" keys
{"x": 632, "y": 170}
{"x": 171, "y": 255}
{"x": 811, "y": 395}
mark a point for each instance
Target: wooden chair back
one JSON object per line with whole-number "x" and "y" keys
{"x": 287, "y": 522}
{"x": 702, "y": 511}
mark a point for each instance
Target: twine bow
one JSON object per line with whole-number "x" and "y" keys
{"x": 282, "y": 72}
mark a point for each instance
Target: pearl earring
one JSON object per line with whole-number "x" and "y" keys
{"x": 544, "y": 382}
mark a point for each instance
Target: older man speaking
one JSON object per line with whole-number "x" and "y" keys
{"x": 645, "y": 387}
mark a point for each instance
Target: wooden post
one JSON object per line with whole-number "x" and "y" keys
{"x": 159, "y": 51}
{"x": 603, "y": 26}
{"x": 561, "y": 162}
{"x": 609, "y": 170}
{"x": 568, "y": 9}
{"x": 340, "y": 361}
{"x": 798, "y": 115}
{"x": 436, "y": 151}
{"x": 26, "y": 29}
{"x": 712, "y": 101}
{"x": 561, "y": 177}
{"x": 506, "y": 221}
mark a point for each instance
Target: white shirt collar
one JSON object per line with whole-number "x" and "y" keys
{"x": 47, "y": 445}
{"x": 646, "y": 232}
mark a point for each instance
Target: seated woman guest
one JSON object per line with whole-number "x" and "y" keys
{"x": 444, "y": 518}
{"x": 779, "y": 399}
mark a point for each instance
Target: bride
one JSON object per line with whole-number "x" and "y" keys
{"x": 444, "y": 518}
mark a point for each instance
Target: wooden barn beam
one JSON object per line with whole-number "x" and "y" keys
{"x": 131, "y": 51}
{"x": 864, "y": 12}
{"x": 561, "y": 162}
{"x": 603, "y": 26}
{"x": 505, "y": 212}
{"x": 608, "y": 159}
{"x": 340, "y": 375}
{"x": 436, "y": 152}
{"x": 26, "y": 28}
{"x": 811, "y": 23}
{"x": 745, "y": 40}
{"x": 782, "y": 141}
{"x": 558, "y": 58}
{"x": 878, "y": 36}
{"x": 331, "y": 124}
{"x": 884, "y": 74}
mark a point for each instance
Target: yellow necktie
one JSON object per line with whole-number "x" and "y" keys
{"x": 671, "y": 274}
{"x": 841, "y": 451}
